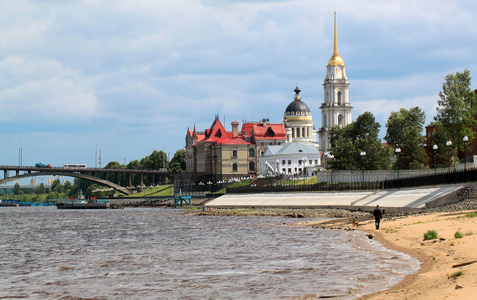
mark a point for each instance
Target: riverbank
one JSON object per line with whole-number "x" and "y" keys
{"x": 448, "y": 264}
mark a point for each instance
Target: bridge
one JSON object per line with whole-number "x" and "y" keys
{"x": 118, "y": 179}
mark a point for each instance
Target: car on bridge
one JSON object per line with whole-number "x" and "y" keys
{"x": 42, "y": 165}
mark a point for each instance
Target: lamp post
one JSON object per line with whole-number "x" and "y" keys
{"x": 363, "y": 154}
{"x": 304, "y": 167}
{"x": 397, "y": 151}
{"x": 449, "y": 144}
{"x": 435, "y": 161}
{"x": 278, "y": 167}
{"x": 465, "y": 140}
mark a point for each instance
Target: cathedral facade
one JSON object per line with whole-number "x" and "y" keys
{"x": 336, "y": 108}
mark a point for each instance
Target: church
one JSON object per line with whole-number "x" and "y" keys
{"x": 261, "y": 148}
{"x": 306, "y": 156}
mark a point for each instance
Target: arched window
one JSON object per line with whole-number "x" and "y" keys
{"x": 340, "y": 98}
{"x": 251, "y": 152}
{"x": 340, "y": 121}
{"x": 251, "y": 166}
{"x": 234, "y": 167}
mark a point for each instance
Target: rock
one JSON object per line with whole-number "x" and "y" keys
{"x": 370, "y": 236}
{"x": 458, "y": 287}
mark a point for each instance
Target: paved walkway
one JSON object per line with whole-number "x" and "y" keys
{"x": 404, "y": 198}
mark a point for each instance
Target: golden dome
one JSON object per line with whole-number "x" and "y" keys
{"x": 336, "y": 59}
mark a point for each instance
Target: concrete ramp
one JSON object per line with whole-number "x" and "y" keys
{"x": 391, "y": 200}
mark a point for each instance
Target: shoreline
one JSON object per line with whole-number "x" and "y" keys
{"x": 441, "y": 259}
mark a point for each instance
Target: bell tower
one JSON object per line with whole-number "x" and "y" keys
{"x": 336, "y": 109}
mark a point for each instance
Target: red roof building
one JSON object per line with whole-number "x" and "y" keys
{"x": 228, "y": 154}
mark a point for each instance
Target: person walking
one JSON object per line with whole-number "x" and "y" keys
{"x": 378, "y": 215}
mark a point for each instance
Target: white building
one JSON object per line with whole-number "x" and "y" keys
{"x": 298, "y": 120}
{"x": 295, "y": 158}
{"x": 336, "y": 109}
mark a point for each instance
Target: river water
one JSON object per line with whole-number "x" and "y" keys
{"x": 151, "y": 253}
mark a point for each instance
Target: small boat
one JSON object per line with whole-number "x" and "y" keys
{"x": 10, "y": 202}
{"x": 81, "y": 203}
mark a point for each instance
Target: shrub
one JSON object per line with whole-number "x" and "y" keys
{"x": 456, "y": 274}
{"x": 469, "y": 233}
{"x": 430, "y": 235}
{"x": 458, "y": 235}
{"x": 471, "y": 215}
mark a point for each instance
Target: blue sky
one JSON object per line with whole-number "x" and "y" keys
{"x": 129, "y": 77}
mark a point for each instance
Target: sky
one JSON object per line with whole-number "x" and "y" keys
{"x": 125, "y": 78}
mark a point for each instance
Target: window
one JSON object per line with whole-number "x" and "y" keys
{"x": 234, "y": 167}
{"x": 316, "y": 161}
{"x": 251, "y": 152}
{"x": 303, "y": 132}
{"x": 234, "y": 153}
{"x": 299, "y": 161}
{"x": 284, "y": 170}
{"x": 283, "y": 162}
{"x": 310, "y": 162}
{"x": 251, "y": 166}
{"x": 340, "y": 121}
{"x": 340, "y": 98}
{"x": 289, "y": 162}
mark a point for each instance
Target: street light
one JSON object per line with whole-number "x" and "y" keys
{"x": 363, "y": 154}
{"x": 465, "y": 140}
{"x": 398, "y": 151}
{"x": 304, "y": 167}
{"x": 449, "y": 144}
{"x": 435, "y": 161}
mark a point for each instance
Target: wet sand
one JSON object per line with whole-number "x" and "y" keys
{"x": 441, "y": 258}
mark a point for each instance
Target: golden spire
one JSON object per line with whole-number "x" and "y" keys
{"x": 336, "y": 60}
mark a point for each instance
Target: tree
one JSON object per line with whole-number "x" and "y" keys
{"x": 114, "y": 165}
{"x": 134, "y": 165}
{"x": 17, "y": 189}
{"x": 404, "y": 130}
{"x": 349, "y": 142}
{"x": 155, "y": 161}
{"x": 57, "y": 187}
{"x": 178, "y": 163}
{"x": 39, "y": 190}
{"x": 457, "y": 108}
{"x": 443, "y": 154}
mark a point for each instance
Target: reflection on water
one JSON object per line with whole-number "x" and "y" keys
{"x": 161, "y": 254}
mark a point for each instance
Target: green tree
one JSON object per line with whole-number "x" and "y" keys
{"x": 361, "y": 136}
{"x": 155, "y": 161}
{"x": 443, "y": 154}
{"x": 114, "y": 165}
{"x": 178, "y": 163}
{"x": 134, "y": 165}
{"x": 457, "y": 108}
{"x": 404, "y": 130}
{"x": 17, "y": 189}
{"x": 67, "y": 186}
{"x": 57, "y": 187}
{"x": 39, "y": 190}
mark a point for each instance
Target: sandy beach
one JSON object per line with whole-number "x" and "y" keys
{"x": 448, "y": 264}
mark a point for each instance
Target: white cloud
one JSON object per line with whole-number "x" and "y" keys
{"x": 43, "y": 90}
{"x": 144, "y": 71}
